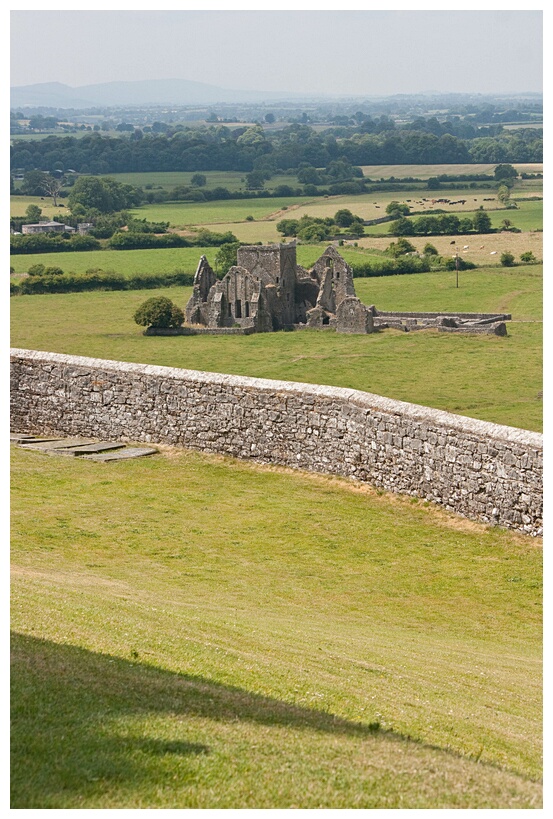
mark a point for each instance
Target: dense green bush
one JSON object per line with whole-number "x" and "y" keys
{"x": 159, "y": 312}
{"x": 460, "y": 263}
{"x": 507, "y": 259}
{"x": 391, "y": 267}
{"x": 51, "y": 243}
{"x": 97, "y": 279}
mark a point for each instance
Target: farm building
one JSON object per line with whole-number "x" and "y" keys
{"x": 47, "y": 227}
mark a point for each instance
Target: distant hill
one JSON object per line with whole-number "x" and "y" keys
{"x": 138, "y": 92}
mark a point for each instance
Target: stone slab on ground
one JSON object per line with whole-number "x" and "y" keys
{"x": 122, "y": 454}
{"x": 84, "y": 449}
{"x": 18, "y": 438}
{"x": 55, "y": 444}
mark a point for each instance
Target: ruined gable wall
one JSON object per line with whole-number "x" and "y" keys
{"x": 482, "y": 470}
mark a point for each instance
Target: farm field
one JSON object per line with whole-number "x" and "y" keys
{"x": 528, "y": 216}
{"x": 232, "y": 180}
{"x": 229, "y": 211}
{"x": 19, "y": 204}
{"x": 262, "y": 654}
{"x": 478, "y": 376}
{"x": 480, "y": 246}
{"x": 427, "y": 171}
{"x": 163, "y": 260}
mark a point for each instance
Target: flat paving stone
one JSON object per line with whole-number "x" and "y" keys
{"x": 90, "y": 449}
{"x": 122, "y": 454}
{"x": 54, "y": 444}
{"x": 16, "y": 438}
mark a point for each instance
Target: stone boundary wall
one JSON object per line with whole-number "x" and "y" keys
{"x": 484, "y": 471}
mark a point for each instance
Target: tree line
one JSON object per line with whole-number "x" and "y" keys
{"x": 253, "y": 149}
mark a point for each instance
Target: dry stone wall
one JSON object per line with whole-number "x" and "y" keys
{"x": 481, "y": 470}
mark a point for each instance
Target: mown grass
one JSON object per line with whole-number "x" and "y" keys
{"x": 196, "y": 632}
{"x": 478, "y": 376}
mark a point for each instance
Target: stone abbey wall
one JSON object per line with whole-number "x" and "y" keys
{"x": 482, "y": 470}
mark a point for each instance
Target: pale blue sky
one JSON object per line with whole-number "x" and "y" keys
{"x": 348, "y": 52}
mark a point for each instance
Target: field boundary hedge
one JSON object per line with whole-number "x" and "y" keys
{"x": 110, "y": 280}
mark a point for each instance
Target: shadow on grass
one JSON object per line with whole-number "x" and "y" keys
{"x": 80, "y": 722}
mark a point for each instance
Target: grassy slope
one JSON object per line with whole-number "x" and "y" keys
{"x": 201, "y": 647}
{"x": 477, "y": 376}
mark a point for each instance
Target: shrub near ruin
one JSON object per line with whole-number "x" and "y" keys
{"x": 159, "y": 312}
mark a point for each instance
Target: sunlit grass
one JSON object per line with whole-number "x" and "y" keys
{"x": 193, "y": 631}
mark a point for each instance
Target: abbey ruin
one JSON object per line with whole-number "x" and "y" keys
{"x": 268, "y": 290}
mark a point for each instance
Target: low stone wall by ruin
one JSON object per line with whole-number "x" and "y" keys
{"x": 484, "y": 471}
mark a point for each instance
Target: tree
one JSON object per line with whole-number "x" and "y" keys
{"x": 51, "y": 186}
{"x": 402, "y": 227}
{"x": 344, "y": 217}
{"x": 226, "y": 257}
{"x": 33, "y": 213}
{"x": 507, "y": 259}
{"x": 429, "y": 250}
{"x": 269, "y": 118}
{"x": 288, "y": 227}
{"x": 357, "y": 228}
{"x": 315, "y": 232}
{"x": 33, "y": 183}
{"x": 528, "y": 257}
{"x": 199, "y": 180}
{"x": 309, "y": 176}
{"x": 159, "y": 312}
{"x": 482, "y": 222}
{"x": 104, "y": 195}
{"x": 400, "y": 248}
{"x": 255, "y": 180}
{"x": 505, "y": 172}
{"x": 397, "y": 210}
{"x": 503, "y": 194}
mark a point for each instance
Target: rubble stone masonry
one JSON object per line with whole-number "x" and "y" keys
{"x": 481, "y": 470}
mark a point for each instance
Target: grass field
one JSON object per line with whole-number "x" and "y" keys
{"x": 480, "y": 246}
{"x": 377, "y": 172}
{"x": 128, "y": 262}
{"x": 232, "y": 180}
{"x": 256, "y": 638}
{"x": 19, "y": 204}
{"x": 477, "y": 376}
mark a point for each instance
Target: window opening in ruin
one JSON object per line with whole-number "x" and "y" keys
{"x": 230, "y": 310}
{"x": 337, "y": 274}
{"x": 277, "y": 279}
{"x": 326, "y": 319}
{"x": 238, "y": 309}
{"x": 329, "y": 263}
{"x": 247, "y": 309}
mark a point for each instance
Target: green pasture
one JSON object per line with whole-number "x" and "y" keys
{"x": 232, "y": 180}
{"x": 162, "y": 260}
{"x": 528, "y": 216}
{"x": 228, "y": 211}
{"x": 191, "y": 631}
{"x": 478, "y": 376}
{"x": 19, "y": 204}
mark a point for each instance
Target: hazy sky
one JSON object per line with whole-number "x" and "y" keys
{"x": 346, "y": 52}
